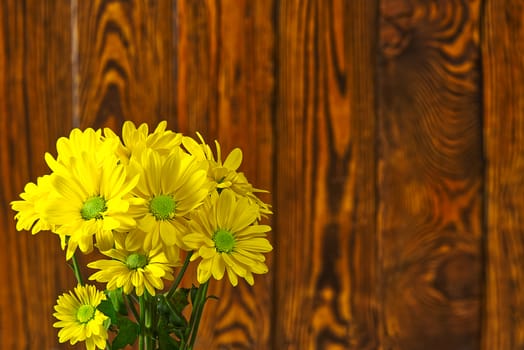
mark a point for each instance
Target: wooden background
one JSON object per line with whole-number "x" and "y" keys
{"x": 390, "y": 133}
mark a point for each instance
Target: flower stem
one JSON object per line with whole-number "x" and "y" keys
{"x": 146, "y": 340}
{"x": 149, "y": 320}
{"x": 142, "y": 335}
{"x": 196, "y": 314}
{"x": 181, "y": 273}
{"x": 76, "y": 269}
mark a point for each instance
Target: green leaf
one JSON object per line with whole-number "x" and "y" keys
{"x": 127, "y": 333}
{"x": 117, "y": 298}
{"x": 166, "y": 342}
{"x": 179, "y": 300}
{"x": 178, "y": 320}
{"x": 171, "y": 312}
{"x": 106, "y": 307}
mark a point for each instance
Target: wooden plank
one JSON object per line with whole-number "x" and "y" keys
{"x": 503, "y": 71}
{"x": 124, "y": 62}
{"x": 226, "y": 91}
{"x": 197, "y": 63}
{"x": 35, "y": 108}
{"x": 326, "y": 258}
{"x": 430, "y": 174}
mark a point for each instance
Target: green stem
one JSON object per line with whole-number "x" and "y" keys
{"x": 141, "y": 336}
{"x": 149, "y": 321}
{"x": 175, "y": 284}
{"x": 146, "y": 340}
{"x": 76, "y": 269}
{"x": 199, "y": 308}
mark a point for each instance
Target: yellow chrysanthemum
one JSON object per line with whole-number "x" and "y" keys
{"x": 225, "y": 234}
{"x": 87, "y": 141}
{"x": 79, "y": 319}
{"x": 133, "y": 269}
{"x": 30, "y": 208}
{"x": 225, "y": 174}
{"x": 171, "y": 186}
{"x": 137, "y": 139}
{"x": 91, "y": 199}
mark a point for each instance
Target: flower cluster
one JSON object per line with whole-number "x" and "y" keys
{"x": 145, "y": 201}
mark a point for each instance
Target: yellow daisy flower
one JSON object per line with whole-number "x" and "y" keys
{"x": 91, "y": 199}
{"x": 29, "y": 216}
{"x": 87, "y": 141}
{"x": 225, "y": 234}
{"x": 225, "y": 174}
{"x": 172, "y": 187}
{"x": 136, "y": 139}
{"x": 79, "y": 319}
{"x": 133, "y": 269}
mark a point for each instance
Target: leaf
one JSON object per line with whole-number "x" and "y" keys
{"x": 179, "y": 300}
{"x": 106, "y": 307}
{"x": 127, "y": 333}
{"x": 171, "y": 311}
{"x": 178, "y": 320}
{"x": 166, "y": 342}
{"x": 117, "y": 298}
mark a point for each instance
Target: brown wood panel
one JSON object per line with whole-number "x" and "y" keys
{"x": 35, "y": 108}
{"x": 375, "y": 168}
{"x": 326, "y": 257}
{"x": 226, "y": 91}
{"x": 502, "y": 47}
{"x": 124, "y": 62}
{"x": 197, "y": 63}
{"x": 430, "y": 174}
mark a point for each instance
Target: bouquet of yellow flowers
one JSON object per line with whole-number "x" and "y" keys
{"x": 152, "y": 203}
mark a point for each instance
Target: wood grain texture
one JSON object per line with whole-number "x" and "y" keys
{"x": 225, "y": 90}
{"x": 385, "y": 170}
{"x": 197, "y": 63}
{"x": 35, "y": 108}
{"x": 326, "y": 271}
{"x": 124, "y": 62}
{"x": 430, "y": 174}
{"x": 503, "y": 34}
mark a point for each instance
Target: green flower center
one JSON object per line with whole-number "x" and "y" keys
{"x": 85, "y": 313}
{"x": 93, "y": 208}
{"x": 162, "y": 207}
{"x": 135, "y": 261}
{"x": 224, "y": 241}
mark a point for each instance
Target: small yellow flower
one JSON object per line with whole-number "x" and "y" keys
{"x": 88, "y": 141}
{"x": 30, "y": 208}
{"x": 225, "y": 234}
{"x": 135, "y": 140}
{"x": 133, "y": 269}
{"x": 225, "y": 174}
{"x": 79, "y": 319}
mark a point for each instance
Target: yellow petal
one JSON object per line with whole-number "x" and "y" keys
{"x": 234, "y": 159}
